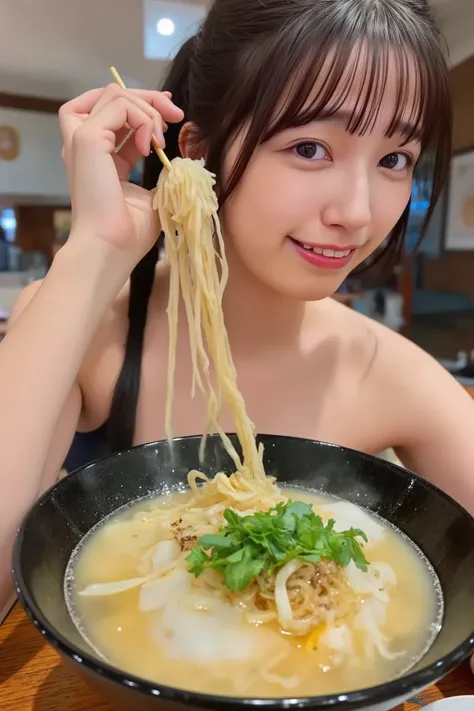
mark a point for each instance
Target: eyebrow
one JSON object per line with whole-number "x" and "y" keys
{"x": 344, "y": 118}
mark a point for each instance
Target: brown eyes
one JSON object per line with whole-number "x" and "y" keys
{"x": 396, "y": 161}
{"x": 310, "y": 150}
{"x": 314, "y": 151}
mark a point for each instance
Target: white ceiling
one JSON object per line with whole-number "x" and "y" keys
{"x": 59, "y": 48}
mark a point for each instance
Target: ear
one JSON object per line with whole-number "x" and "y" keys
{"x": 190, "y": 144}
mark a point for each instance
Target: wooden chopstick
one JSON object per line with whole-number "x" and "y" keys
{"x": 161, "y": 154}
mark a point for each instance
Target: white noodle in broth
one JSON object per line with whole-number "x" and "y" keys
{"x": 131, "y": 595}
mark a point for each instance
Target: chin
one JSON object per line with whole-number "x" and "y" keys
{"x": 308, "y": 292}
{"x": 297, "y": 284}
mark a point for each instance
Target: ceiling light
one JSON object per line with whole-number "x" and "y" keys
{"x": 165, "y": 27}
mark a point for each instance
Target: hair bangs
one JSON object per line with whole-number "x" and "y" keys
{"x": 350, "y": 83}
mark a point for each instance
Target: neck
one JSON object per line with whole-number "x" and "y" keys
{"x": 257, "y": 316}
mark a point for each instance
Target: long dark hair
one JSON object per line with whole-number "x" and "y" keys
{"x": 255, "y": 64}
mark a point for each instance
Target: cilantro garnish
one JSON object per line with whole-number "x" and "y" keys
{"x": 265, "y": 541}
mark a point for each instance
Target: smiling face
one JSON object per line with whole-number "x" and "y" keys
{"x": 317, "y": 199}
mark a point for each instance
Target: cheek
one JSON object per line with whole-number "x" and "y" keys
{"x": 265, "y": 207}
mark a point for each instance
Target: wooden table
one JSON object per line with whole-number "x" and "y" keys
{"x": 33, "y": 677}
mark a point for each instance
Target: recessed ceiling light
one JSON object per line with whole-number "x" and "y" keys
{"x": 165, "y": 27}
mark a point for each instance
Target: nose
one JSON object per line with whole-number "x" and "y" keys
{"x": 349, "y": 206}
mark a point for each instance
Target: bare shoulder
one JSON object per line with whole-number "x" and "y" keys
{"x": 393, "y": 354}
{"x": 428, "y": 414}
{"x": 408, "y": 366}
{"x": 404, "y": 373}
{"x": 418, "y": 407}
{"x": 401, "y": 380}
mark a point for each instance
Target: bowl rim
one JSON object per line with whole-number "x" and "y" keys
{"x": 398, "y": 687}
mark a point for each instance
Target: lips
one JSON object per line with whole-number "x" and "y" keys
{"x": 324, "y": 256}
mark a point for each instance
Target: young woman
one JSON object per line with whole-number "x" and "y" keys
{"x": 313, "y": 114}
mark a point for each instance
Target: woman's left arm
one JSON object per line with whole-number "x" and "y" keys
{"x": 431, "y": 414}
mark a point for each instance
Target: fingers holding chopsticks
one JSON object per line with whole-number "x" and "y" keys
{"x": 158, "y": 106}
{"x": 148, "y": 111}
{"x": 161, "y": 101}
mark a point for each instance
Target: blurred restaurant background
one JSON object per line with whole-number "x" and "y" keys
{"x": 53, "y": 50}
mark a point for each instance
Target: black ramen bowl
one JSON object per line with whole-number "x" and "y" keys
{"x": 59, "y": 520}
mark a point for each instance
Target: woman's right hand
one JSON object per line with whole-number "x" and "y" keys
{"x": 104, "y": 204}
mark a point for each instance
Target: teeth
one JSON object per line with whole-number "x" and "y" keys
{"x": 331, "y": 252}
{"x": 327, "y": 252}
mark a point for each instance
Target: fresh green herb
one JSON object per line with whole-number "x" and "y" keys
{"x": 265, "y": 541}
